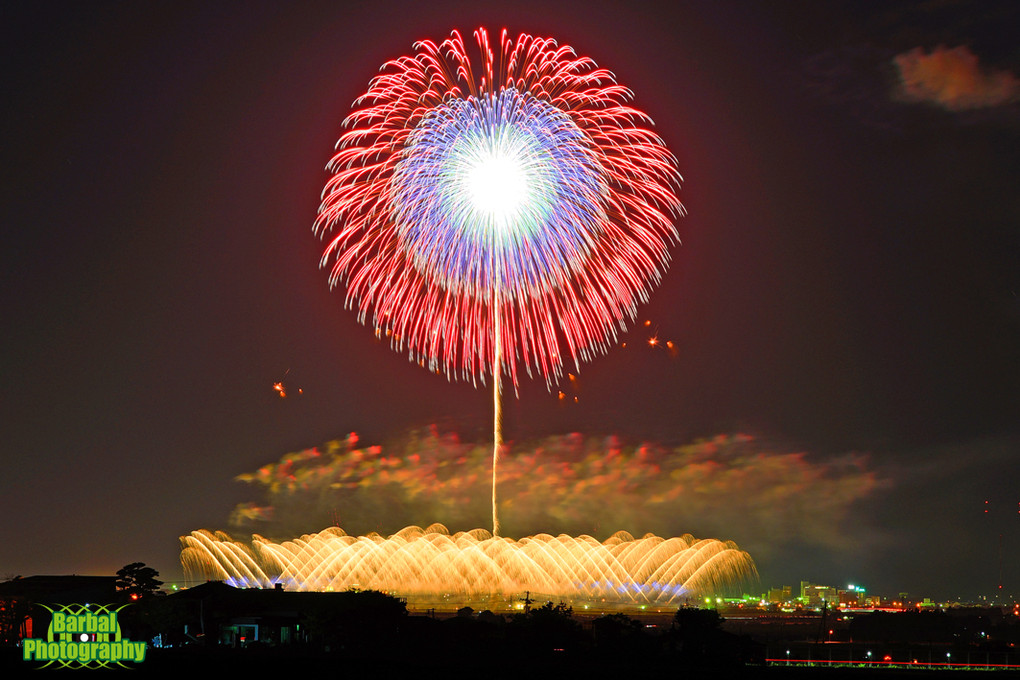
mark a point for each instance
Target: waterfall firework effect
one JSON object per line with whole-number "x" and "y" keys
{"x": 422, "y": 563}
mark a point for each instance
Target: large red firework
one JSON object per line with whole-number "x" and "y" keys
{"x": 504, "y": 211}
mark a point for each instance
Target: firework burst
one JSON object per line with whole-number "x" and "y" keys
{"x": 499, "y": 212}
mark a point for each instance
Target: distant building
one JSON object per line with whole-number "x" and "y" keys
{"x": 814, "y": 595}
{"x": 219, "y": 614}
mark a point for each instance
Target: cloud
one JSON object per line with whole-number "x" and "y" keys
{"x": 953, "y": 79}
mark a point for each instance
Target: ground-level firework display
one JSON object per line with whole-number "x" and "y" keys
{"x": 418, "y": 563}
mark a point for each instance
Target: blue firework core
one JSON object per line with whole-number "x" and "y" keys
{"x": 498, "y": 191}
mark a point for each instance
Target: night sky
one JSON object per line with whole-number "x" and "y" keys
{"x": 847, "y": 283}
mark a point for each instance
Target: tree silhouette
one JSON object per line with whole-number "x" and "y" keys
{"x": 549, "y": 627}
{"x": 137, "y": 581}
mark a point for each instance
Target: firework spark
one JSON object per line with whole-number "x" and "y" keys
{"x": 504, "y": 212}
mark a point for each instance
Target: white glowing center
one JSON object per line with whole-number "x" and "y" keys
{"x": 498, "y": 185}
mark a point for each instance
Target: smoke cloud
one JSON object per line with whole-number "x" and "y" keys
{"x": 953, "y": 79}
{"x": 730, "y": 487}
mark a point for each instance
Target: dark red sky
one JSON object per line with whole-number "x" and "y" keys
{"x": 847, "y": 281}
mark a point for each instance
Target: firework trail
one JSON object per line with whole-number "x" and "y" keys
{"x": 498, "y": 213}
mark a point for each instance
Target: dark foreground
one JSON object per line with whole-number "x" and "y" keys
{"x": 397, "y": 663}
